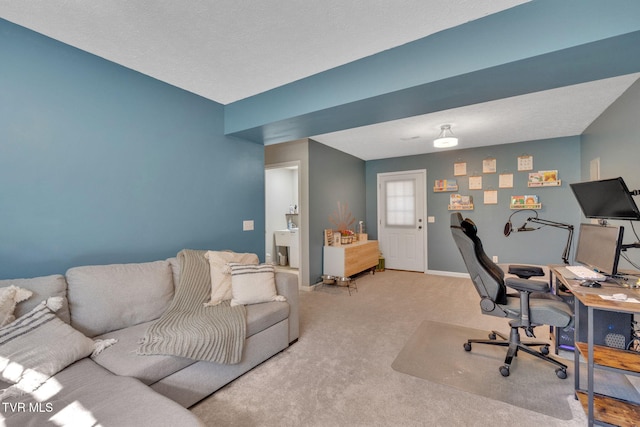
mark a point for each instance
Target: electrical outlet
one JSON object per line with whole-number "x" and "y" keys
{"x": 495, "y": 258}
{"x": 247, "y": 225}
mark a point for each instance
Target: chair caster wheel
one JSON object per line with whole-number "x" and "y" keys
{"x": 504, "y": 370}
{"x": 561, "y": 373}
{"x": 492, "y": 336}
{"x": 544, "y": 350}
{"x": 467, "y": 346}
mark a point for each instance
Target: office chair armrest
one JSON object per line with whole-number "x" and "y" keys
{"x": 525, "y": 271}
{"x": 526, "y": 285}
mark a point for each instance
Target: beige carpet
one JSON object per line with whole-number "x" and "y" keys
{"x": 339, "y": 372}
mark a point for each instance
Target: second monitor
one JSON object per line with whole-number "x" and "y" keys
{"x": 599, "y": 247}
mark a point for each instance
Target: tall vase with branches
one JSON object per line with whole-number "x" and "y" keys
{"x": 343, "y": 220}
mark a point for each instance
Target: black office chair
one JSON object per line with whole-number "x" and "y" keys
{"x": 532, "y": 306}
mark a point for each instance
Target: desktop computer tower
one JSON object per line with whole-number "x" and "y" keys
{"x": 610, "y": 328}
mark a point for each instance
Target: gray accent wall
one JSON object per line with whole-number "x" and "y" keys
{"x": 334, "y": 176}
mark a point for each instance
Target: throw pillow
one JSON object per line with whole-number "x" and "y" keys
{"x": 9, "y": 298}
{"x": 221, "y": 274}
{"x": 38, "y": 345}
{"x": 253, "y": 284}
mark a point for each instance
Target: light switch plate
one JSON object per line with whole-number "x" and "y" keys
{"x": 247, "y": 225}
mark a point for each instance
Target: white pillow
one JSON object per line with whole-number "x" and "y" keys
{"x": 253, "y": 284}
{"x": 38, "y": 345}
{"x": 221, "y": 274}
{"x": 9, "y": 298}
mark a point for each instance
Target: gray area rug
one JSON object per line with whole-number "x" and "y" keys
{"x": 435, "y": 352}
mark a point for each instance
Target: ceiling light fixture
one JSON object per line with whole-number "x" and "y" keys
{"x": 446, "y": 138}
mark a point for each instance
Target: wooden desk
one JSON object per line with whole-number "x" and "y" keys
{"x": 600, "y": 408}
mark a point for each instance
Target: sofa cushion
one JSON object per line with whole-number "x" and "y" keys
{"x": 87, "y": 394}
{"x": 105, "y": 298}
{"x": 38, "y": 345}
{"x": 42, "y": 288}
{"x": 9, "y": 298}
{"x": 121, "y": 357}
{"x": 265, "y": 315}
{"x": 219, "y": 262}
{"x": 253, "y": 284}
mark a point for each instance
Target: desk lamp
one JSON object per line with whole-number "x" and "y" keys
{"x": 508, "y": 229}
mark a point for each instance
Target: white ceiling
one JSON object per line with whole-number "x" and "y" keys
{"x": 566, "y": 111}
{"x": 227, "y": 50}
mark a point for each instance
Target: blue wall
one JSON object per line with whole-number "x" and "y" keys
{"x": 558, "y": 204}
{"x": 101, "y": 164}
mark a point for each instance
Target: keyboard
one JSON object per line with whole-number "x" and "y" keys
{"x": 584, "y": 273}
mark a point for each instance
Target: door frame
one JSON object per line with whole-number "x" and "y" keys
{"x": 379, "y": 207}
{"x": 303, "y": 228}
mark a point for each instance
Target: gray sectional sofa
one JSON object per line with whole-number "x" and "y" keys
{"x": 118, "y": 387}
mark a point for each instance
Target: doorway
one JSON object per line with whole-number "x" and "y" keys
{"x": 282, "y": 216}
{"x": 402, "y": 231}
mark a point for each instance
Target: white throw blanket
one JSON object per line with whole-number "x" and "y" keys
{"x": 189, "y": 328}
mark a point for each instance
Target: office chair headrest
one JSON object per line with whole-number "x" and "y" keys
{"x": 469, "y": 228}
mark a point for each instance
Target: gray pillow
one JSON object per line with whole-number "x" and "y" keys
{"x": 38, "y": 345}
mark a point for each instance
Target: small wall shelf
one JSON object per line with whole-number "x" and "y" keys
{"x": 532, "y": 206}
{"x": 444, "y": 189}
{"x": 461, "y": 207}
{"x": 545, "y": 184}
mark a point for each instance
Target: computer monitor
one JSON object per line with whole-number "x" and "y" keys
{"x": 606, "y": 199}
{"x": 599, "y": 247}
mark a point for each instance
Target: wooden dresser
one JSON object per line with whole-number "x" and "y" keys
{"x": 351, "y": 259}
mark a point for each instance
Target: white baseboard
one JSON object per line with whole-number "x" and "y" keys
{"x": 448, "y": 273}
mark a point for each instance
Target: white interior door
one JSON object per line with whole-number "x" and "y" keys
{"x": 402, "y": 230}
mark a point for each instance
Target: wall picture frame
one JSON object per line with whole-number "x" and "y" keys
{"x": 475, "y": 182}
{"x": 505, "y": 180}
{"x": 489, "y": 165}
{"x": 525, "y": 162}
{"x": 491, "y": 197}
{"x": 459, "y": 168}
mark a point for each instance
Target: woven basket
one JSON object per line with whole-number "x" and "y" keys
{"x": 345, "y": 240}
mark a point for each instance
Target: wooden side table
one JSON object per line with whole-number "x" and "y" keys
{"x": 351, "y": 259}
